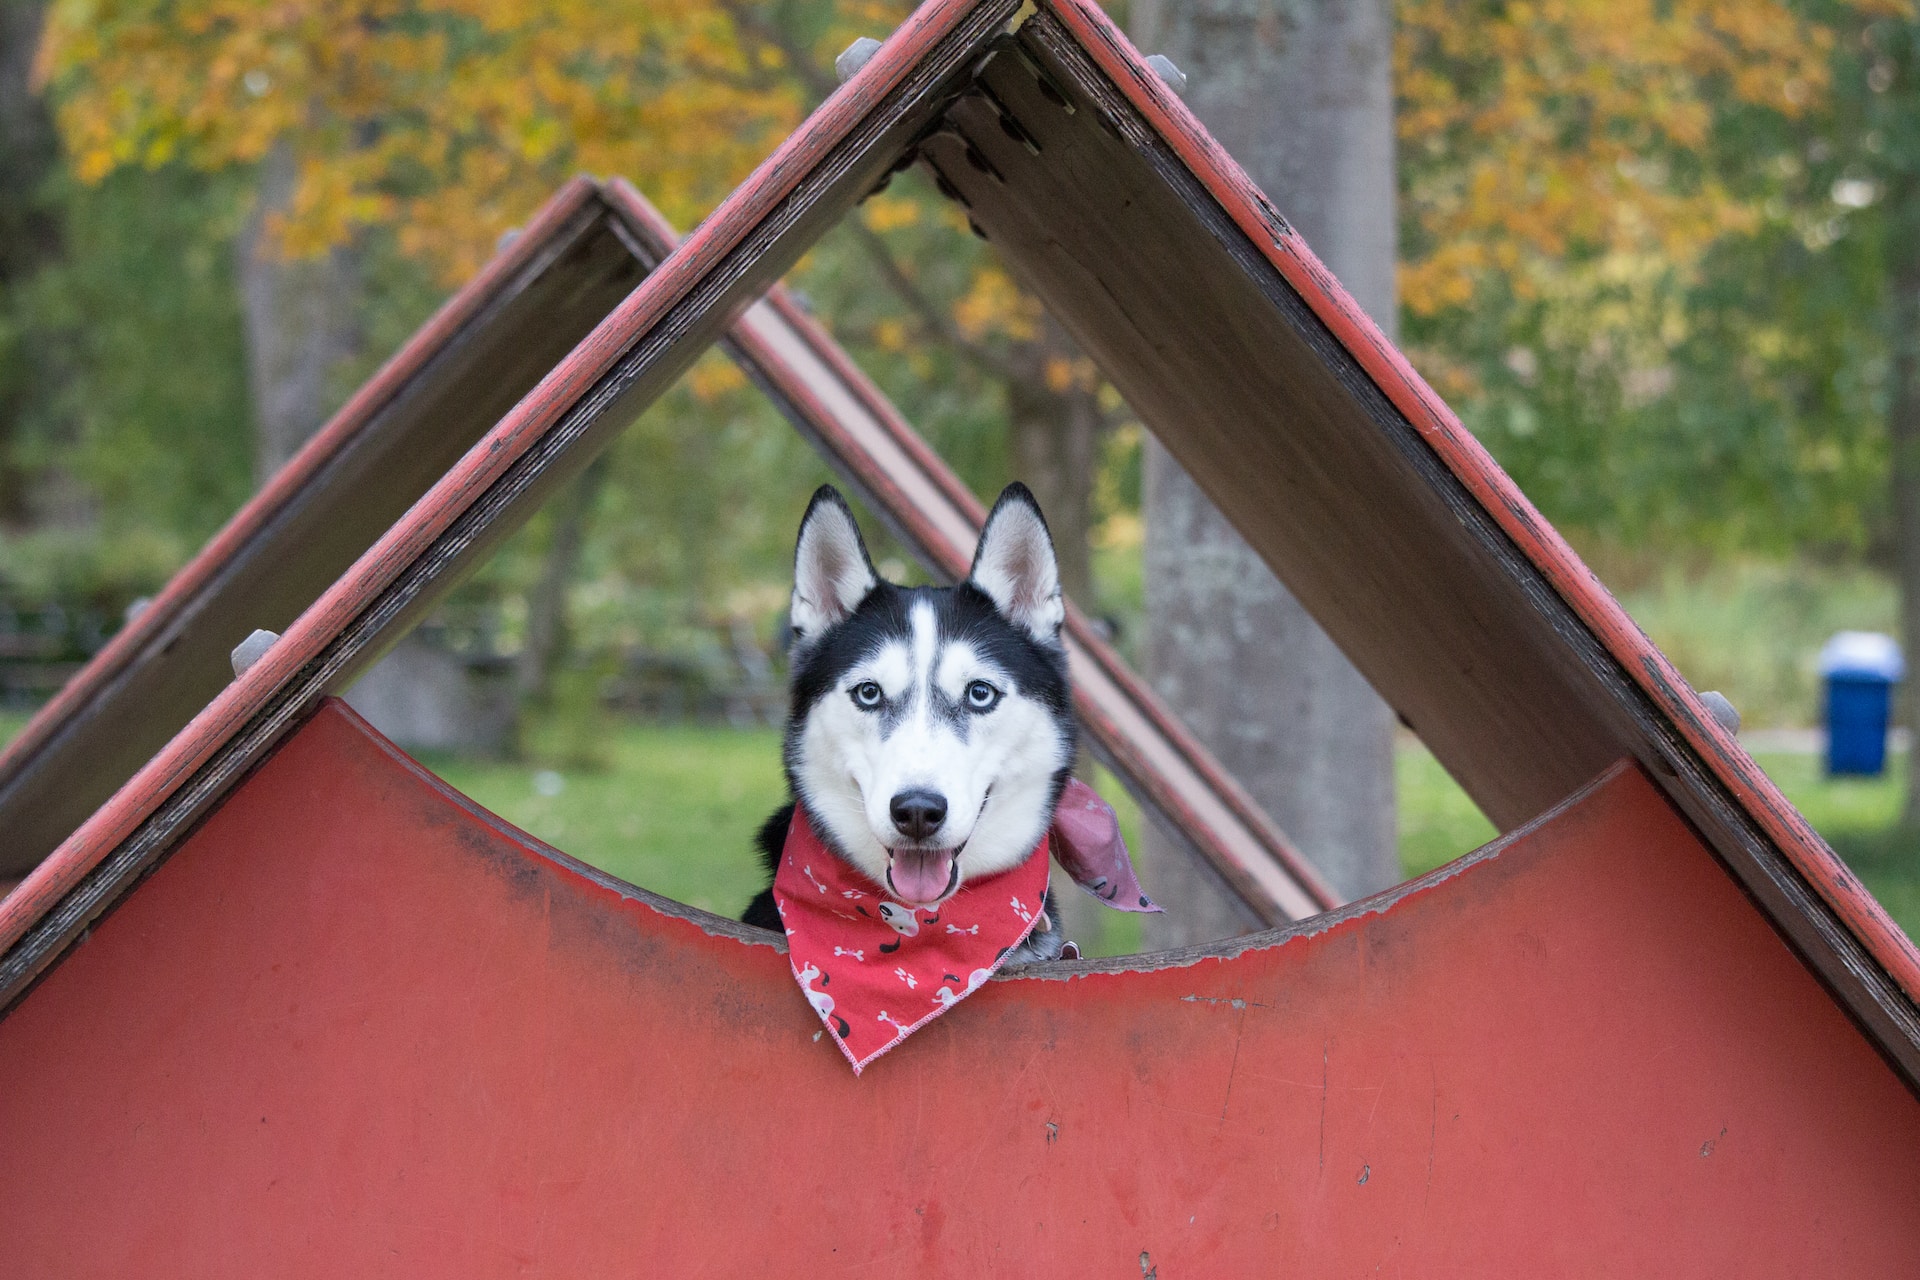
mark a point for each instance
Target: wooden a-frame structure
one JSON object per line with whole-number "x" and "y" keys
{"x": 351, "y": 1023}
{"x": 488, "y": 346}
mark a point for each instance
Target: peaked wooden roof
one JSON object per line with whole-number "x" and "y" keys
{"x": 1311, "y": 433}
{"x": 486, "y": 348}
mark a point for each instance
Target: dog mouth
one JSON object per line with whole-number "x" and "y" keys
{"x": 923, "y": 877}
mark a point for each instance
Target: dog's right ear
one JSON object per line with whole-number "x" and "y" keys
{"x": 832, "y": 572}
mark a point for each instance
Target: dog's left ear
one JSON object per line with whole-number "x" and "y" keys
{"x": 832, "y": 572}
{"x": 1015, "y": 565}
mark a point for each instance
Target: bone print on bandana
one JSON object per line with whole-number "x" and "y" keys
{"x": 876, "y": 970}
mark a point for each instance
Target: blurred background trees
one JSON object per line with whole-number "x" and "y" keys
{"x": 1659, "y": 255}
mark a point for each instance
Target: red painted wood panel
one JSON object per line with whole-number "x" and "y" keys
{"x": 356, "y": 1027}
{"x": 1705, "y": 760}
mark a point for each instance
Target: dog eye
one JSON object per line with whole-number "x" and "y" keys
{"x": 981, "y": 696}
{"x": 867, "y": 695}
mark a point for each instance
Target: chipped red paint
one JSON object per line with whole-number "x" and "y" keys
{"x": 1718, "y": 749}
{"x": 358, "y": 1027}
{"x": 759, "y": 201}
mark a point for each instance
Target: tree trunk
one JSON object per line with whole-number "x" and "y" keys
{"x": 1903, "y": 439}
{"x": 548, "y": 636}
{"x": 1054, "y": 425}
{"x": 1299, "y": 91}
{"x": 29, "y": 230}
{"x": 1054, "y": 422}
{"x": 302, "y": 321}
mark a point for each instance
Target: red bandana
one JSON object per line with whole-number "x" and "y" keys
{"x": 876, "y": 970}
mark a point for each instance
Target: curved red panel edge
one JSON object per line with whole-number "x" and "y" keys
{"x": 1662, "y": 684}
{"x": 1469, "y": 461}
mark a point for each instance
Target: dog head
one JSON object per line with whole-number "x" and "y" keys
{"x": 931, "y": 730}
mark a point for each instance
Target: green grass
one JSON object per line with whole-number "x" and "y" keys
{"x": 1857, "y": 816}
{"x": 1437, "y": 821}
{"x": 675, "y": 810}
{"x": 1753, "y": 631}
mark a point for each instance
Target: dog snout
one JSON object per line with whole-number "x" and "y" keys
{"x": 918, "y": 813}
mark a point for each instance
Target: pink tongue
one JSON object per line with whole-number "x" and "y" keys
{"x": 921, "y": 875}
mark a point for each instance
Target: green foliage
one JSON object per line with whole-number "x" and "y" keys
{"x": 1711, "y": 376}
{"x": 1753, "y": 629}
{"x": 1438, "y": 823}
{"x": 956, "y": 404}
{"x": 675, "y": 812}
{"x": 1859, "y": 817}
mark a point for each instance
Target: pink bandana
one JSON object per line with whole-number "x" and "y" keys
{"x": 1088, "y": 847}
{"x": 876, "y": 970}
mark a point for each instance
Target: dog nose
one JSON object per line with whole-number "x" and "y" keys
{"x": 918, "y": 813}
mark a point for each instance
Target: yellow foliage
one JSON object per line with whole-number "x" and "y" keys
{"x": 1121, "y": 531}
{"x": 1063, "y": 375}
{"x": 714, "y": 377}
{"x": 890, "y": 213}
{"x": 994, "y": 304}
{"x": 449, "y": 119}
{"x": 1534, "y": 133}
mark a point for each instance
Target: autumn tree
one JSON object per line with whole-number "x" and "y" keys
{"x": 1568, "y": 173}
{"x": 29, "y": 233}
{"x": 1857, "y": 178}
{"x": 1596, "y": 198}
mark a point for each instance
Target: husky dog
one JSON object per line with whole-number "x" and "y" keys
{"x": 930, "y": 732}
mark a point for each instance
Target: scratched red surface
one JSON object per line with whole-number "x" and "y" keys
{"x": 722, "y": 233}
{"x": 357, "y": 1027}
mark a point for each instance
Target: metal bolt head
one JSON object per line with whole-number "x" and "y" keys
{"x": 1722, "y": 709}
{"x": 251, "y": 650}
{"x": 1163, "y": 67}
{"x": 854, "y": 57}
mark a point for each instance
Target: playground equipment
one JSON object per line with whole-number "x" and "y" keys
{"x": 349, "y": 1023}
{"x": 572, "y": 263}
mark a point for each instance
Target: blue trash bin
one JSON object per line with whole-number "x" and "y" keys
{"x": 1860, "y": 669}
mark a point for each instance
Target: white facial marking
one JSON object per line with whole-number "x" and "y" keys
{"x": 891, "y": 669}
{"x": 994, "y": 769}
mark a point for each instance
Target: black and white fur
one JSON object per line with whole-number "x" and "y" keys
{"x": 927, "y": 723}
